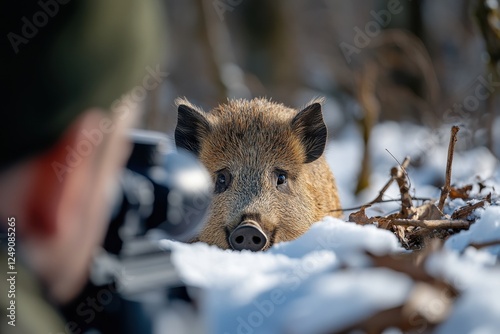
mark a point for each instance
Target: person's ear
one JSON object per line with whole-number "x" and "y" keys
{"x": 61, "y": 174}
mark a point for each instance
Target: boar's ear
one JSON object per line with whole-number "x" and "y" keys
{"x": 191, "y": 126}
{"x": 311, "y": 129}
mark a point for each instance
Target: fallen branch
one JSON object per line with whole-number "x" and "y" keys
{"x": 445, "y": 223}
{"x": 421, "y": 233}
{"x": 447, "y": 185}
{"x": 382, "y": 201}
{"x": 480, "y": 245}
{"x": 465, "y": 211}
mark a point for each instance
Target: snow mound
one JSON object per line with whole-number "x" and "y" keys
{"x": 266, "y": 291}
{"x": 341, "y": 237}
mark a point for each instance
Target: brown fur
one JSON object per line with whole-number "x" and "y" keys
{"x": 253, "y": 139}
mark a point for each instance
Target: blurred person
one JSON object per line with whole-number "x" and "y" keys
{"x": 65, "y": 63}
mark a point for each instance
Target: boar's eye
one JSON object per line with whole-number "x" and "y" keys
{"x": 281, "y": 177}
{"x": 222, "y": 181}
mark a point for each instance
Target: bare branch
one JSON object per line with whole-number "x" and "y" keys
{"x": 465, "y": 211}
{"x": 445, "y": 223}
{"x": 381, "y": 201}
{"x": 485, "y": 244}
{"x": 400, "y": 172}
{"x": 451, "y": 148}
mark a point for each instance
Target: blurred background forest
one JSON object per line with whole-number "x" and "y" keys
{"x": 432, "y": 63}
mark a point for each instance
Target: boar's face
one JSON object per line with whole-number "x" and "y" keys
{"x": 261, "y": 156}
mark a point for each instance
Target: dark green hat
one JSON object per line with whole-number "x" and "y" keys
{"x": 61, "y": 57}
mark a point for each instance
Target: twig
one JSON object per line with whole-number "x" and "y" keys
{"x": 406, "y": 162}
{"x": 399, "y": 174}
{"x": 451, "y": 148}
{"x": 381, "y": 193}
{"x": 445, "y": 223}
{"x": 480, "y": 245}
{"x": 465, "y": 211}
{"x": 380, "y": 201}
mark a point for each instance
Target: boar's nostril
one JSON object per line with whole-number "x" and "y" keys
{"x": 247, "y": 236}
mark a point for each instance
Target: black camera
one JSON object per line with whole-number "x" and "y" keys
{"x": 163, "y": 194}
{"x": 161, "y": 190}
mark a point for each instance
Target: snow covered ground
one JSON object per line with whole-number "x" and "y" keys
{"x": 302, "y": 286}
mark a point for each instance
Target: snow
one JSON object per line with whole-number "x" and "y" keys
{"x": 339, "y": 300}
{"x": 486, "y": 228}
{"x": 341, "y": 237}
{"x": 477, "y": 310}
{"x": 302, "y": 286}
{"x": 266, "y": 291}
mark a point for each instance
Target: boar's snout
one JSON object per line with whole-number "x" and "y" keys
{"x": 248, "y": 235}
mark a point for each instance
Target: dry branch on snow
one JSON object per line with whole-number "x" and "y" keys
{"x": 413, "y": 224}
{"x": 422, "y": 230}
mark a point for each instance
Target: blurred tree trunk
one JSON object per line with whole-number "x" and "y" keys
{"x": 366, "y": 84}
{"x": 270, "y": 46}
{"x": 488, "y": 17}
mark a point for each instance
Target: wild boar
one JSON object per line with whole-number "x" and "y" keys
{"x": 271, "y": 180}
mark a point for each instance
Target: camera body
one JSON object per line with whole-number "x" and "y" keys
{"x": 162, "y": 194}
{"x": 161, "y": 190}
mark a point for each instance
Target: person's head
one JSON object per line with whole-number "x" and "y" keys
{"x": 69, "y": 66}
